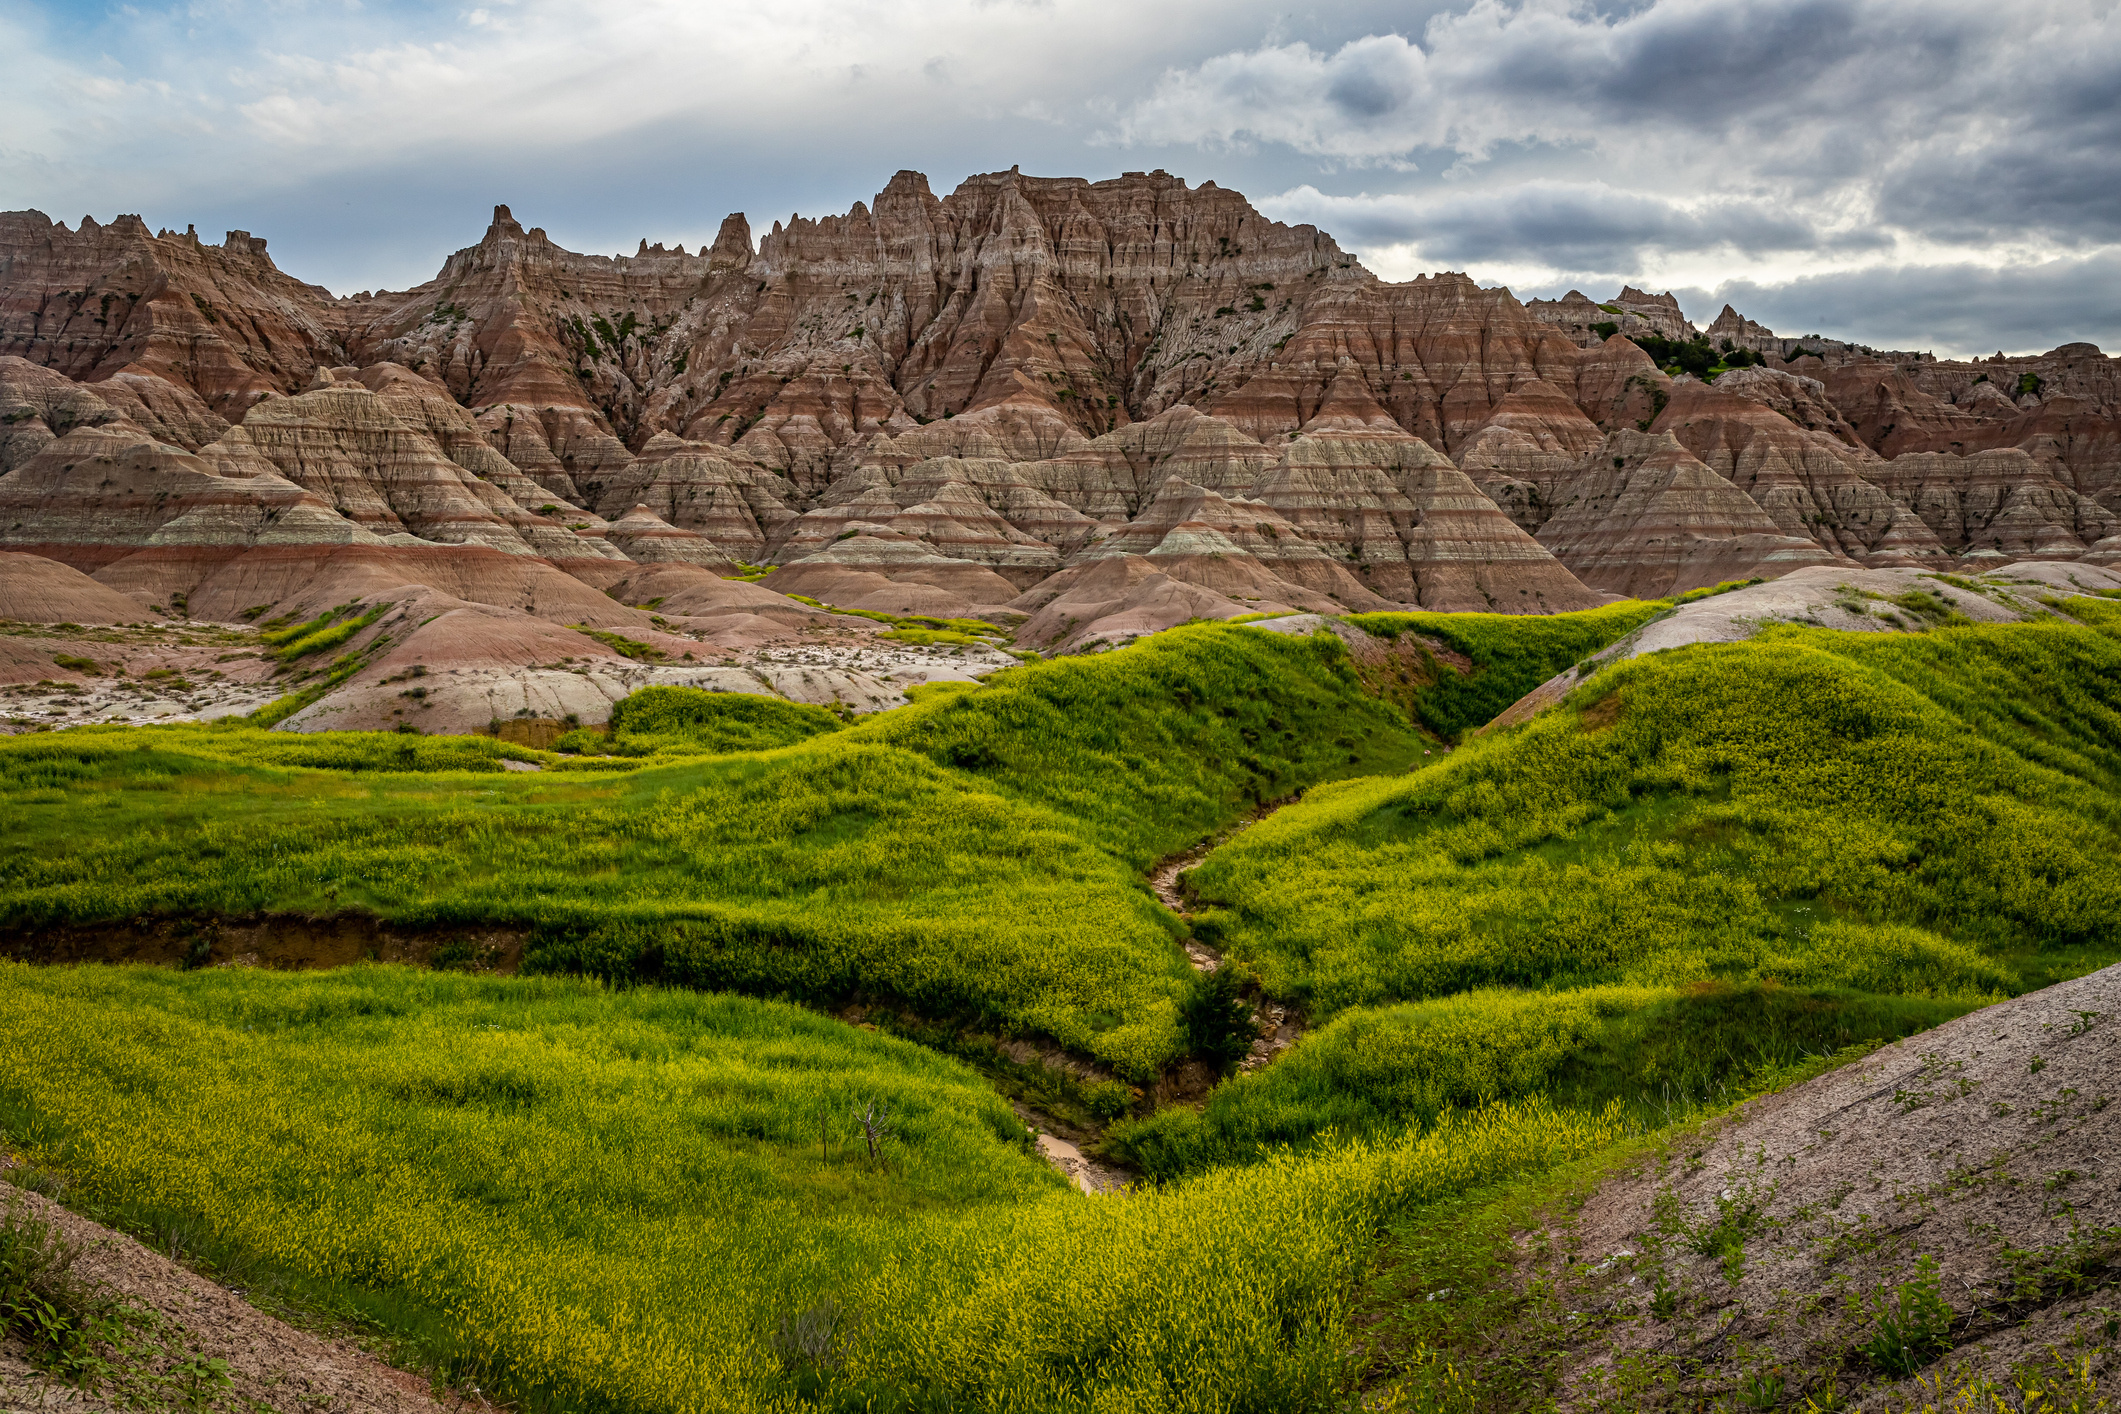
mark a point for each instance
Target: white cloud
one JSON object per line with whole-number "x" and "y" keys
{"x": 1683, "y": 142}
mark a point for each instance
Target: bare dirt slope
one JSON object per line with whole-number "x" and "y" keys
{"x": 270, "y": 1364}
{"x": 1946, "y": 1210}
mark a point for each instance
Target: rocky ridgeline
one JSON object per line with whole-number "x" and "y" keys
{"x": 1081, "y": 410}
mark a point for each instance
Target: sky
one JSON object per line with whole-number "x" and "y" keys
{"x": 1936, "y": 175}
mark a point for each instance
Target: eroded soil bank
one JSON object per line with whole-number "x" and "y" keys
{"x": 283, "y": 942}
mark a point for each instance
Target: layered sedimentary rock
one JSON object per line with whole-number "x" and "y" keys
{"x": 877, "y": 568}
{"x": 1642, "y": 516}
{"x": 646, "y": 538}
{"x": 1128, "y": 399}
{"x": 1632, "y": 311}
{"x": 34, "y": 589}
{"x": 219, "y": 321}
{"x": 1811, "y": 484}
{"x": 1997, "y": 503}
{"x": 104, "y": 494}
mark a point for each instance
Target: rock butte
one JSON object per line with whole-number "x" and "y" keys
{"x": 1082, "y": 411}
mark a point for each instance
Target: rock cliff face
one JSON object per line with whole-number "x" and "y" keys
{"x": 1083, "y": 409}
{"x": 1632, "y": 311}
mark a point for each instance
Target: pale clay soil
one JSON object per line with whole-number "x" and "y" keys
{"x": 181, "y": 671}
{"x": 1991, "y": 1145}
{"x": 278, "y": 1367}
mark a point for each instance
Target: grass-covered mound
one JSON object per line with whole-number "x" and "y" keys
{"x": 1510, "y": 654}
{"x": 1659, "y": 1052}
{"x": 623, "y": 1201}
{"x": 977, "y": 853}
{"x": 1928, "y": 814}
{"x": 692, "y": 721}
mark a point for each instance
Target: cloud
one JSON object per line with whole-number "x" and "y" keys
{"x": 1963, "y": 309}
{"x": 1951, "y": 119}
{"x": 1545, "y": 72}
{"x": 1587, "y": 226}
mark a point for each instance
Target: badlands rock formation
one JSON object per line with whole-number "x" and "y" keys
{"x": 1078, "y": 410}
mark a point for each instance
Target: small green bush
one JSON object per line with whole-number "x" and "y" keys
{"x": 1217, "y": 1020}
{"x": 625, "y": 647}
{"x": 1914, "y": 1323}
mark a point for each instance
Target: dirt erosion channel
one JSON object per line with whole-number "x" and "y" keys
{"x": 1278, "y": 1026}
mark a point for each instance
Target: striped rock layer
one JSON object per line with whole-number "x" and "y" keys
{"x": 1084, "y": 409}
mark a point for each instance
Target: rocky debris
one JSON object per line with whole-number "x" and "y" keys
{"x": 67, "y": 673}
{"x": 578, "y": 679}
{"x": 1960, "y": 1182}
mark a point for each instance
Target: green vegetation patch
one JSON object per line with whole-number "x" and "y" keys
{"x": 978, "y": 854}
{"x": 645, "y": 1200}
{"x": 1921, "y": 814}
{"x": 691, "y": 721}
{"x": 320, "y": 635}
{"x": 1511, "y": 654}
{"x": 620, "y": 644}
{"x": 1661, "y": 1053}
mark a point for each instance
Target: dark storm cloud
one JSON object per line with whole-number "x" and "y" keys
{"x": 1584, "y": 226}
{"x": 1950, "y": 121}
{"x": 2044, "y": 156}
{"x": 1965, "y": 307}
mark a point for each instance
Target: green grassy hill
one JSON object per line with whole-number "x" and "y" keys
{"x": 1706, "y": 868}
{"x": 1921, "y": 814}
{"x": 650, "y": 1200}
{"x": 976, "y": 854}
{"x": 637, "y": 1186}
